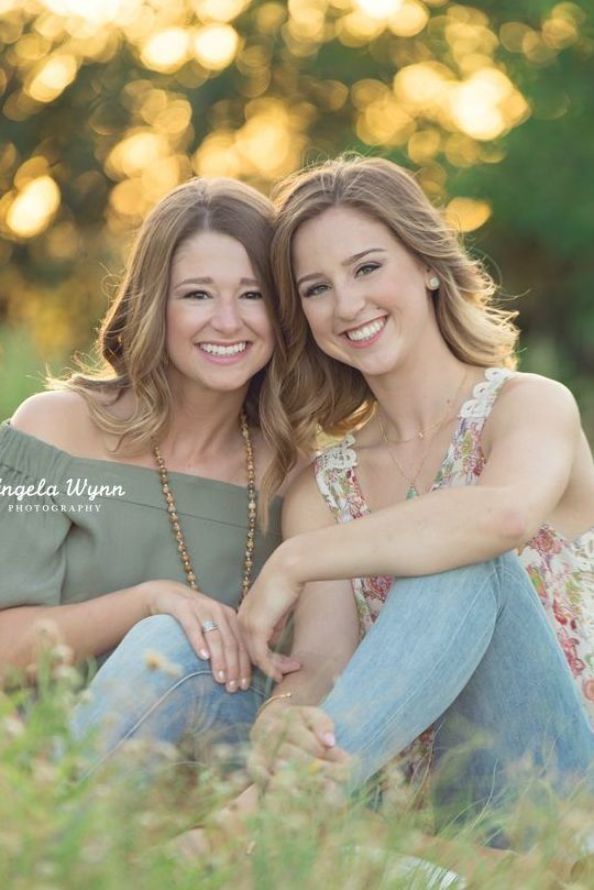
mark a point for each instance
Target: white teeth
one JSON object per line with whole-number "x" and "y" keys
{"x": 217, "y": 349}
{"x": 367, "y": 331}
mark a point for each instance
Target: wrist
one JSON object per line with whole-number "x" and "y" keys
{"x": 289, "y": 560}
{"x": 268, "y": 709}
{"x": 142, "y": 596}
{"x": 278, "y": 698}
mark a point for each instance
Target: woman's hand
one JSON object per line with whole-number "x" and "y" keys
{"x": 294, "y": 735}
{"x": 223, "y": 646}
{"x": 266, "y": 606}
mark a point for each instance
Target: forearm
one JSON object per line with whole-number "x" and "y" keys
{"x": 433, "y": 533}
{"x": 88, "y": 628}
{"x": 314, "y": 680}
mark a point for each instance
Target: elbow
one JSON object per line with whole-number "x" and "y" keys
{"x": 511, "y": 526}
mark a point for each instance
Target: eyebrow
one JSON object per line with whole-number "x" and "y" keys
{"x": 249, "y": 281}
{"x": 347, "y": 262}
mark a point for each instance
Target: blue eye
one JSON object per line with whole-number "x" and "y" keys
{"x": 314, "y": 290}
{"x": 367, "y": 268}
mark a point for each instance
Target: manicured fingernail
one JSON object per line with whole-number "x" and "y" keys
{"x": 329, "y": 739}
{"x": 204, "y": 653}
{"x": 231, "y": 686}
{"x": 221, "y": 675}
{"x": 244, "y": 683}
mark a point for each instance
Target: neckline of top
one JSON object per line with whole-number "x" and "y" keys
{"x": 6, "y": 428}
{"x": 483, "y": 387}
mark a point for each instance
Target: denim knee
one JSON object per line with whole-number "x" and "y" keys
{"x": 160, "y": 635}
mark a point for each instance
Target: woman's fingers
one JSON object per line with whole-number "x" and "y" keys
{"x": 321, "y": 724}
{"x": 303, "y": 739}
{"x": 213, "y": 631}
{"x": 263, "y": 658}
{"x": 258, "y": 634}
{"x": 291, "y": 755}
{"x": 243, "y": 658}
{"x": 222, "y": 646}
{"x": 193, "y": 631}
{"x": 286, "y": 664}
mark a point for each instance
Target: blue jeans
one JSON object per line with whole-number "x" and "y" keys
{"x": 154, "y": 688}
{"x": 472, "y": 651}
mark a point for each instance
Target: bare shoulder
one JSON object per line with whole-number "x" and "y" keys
{"x": 304, "y": 508}
{"x": 537, "y": 390}
{"x": 533, "y": 399}
{"x": 43, "y": 414}
{"x": 59, "y": 418}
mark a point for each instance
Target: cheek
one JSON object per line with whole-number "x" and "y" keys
{"x": 318, "y": 317}
{"x": 175, "y": 328}
{"x": 263, "y": 325}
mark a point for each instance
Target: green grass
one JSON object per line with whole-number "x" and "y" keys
{"x": 107, "y": 833}
{"x": 21, "y": 369}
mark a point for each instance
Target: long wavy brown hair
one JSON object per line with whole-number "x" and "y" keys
{"x": 131, "y": 341}
{"x": 321, "y": 392}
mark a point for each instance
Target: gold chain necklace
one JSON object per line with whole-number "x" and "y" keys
{"x": 178, "y": 534}
{"x": 413, "y": 491}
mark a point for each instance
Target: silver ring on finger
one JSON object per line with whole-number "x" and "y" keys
{"x": 209, "y": 625}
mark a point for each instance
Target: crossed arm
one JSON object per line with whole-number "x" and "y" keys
{"x": 530, "y": 448}
{"x": 531, "y": 442}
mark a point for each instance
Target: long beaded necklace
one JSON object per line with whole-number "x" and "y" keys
{"x": 413, "y": 491}
{"x": 178, "y": 534}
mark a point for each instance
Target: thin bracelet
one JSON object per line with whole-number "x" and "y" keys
{"x": 273, "y": 698}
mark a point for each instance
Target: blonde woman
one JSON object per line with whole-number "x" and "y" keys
{"x": 472, "y": 487}
{"x": 129, "y": 516}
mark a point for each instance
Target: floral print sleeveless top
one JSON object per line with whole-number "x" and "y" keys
{"x": 562, "y": 571}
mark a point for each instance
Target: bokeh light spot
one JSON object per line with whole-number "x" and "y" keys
{"x": 135, "y": 153}
{"x": 167, "y": 50}
{"x": 32, "y": 209}
{"x": 410, "y": 19}
{"x": 219, "y": 10}
{"x": 467, "y": 214}
{"x": 52, "y": 78}
{"x": 478, "y": 104}
{"x": 217, "y": 156}
{"x": 378, "y": 9}
{"x": 215, "y": 46}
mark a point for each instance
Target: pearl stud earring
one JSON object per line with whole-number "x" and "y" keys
{"x": 433, "y": 283}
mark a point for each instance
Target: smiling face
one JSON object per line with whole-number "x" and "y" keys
{"x": 364, "y": 295}
{"x": 218, "y": 330}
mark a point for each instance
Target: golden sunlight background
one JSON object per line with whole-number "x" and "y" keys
{"x": 108, "y": 104}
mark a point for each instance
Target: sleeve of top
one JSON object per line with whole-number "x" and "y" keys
{"x": 33, "y": 531}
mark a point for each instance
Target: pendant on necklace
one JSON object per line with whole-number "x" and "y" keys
{"x": 412, "y": 492}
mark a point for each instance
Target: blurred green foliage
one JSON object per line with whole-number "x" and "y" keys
{"x": 107, "y": 105}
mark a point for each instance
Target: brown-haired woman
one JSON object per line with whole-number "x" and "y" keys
{"x": 457, "y": 461}
{"x": 129, "y": 503}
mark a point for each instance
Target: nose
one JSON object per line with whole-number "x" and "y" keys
{"x": 350, "y": 300}
{"x": 226, "y": 318}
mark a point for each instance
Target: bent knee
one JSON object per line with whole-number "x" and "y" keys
{"x": 159, "y": 642}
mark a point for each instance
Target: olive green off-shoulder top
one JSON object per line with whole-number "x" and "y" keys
{"x": 74, "y": 528}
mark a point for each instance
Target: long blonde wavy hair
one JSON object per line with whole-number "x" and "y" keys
{"x": 321, "y": 392}
{"x": 131, "y": 341}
